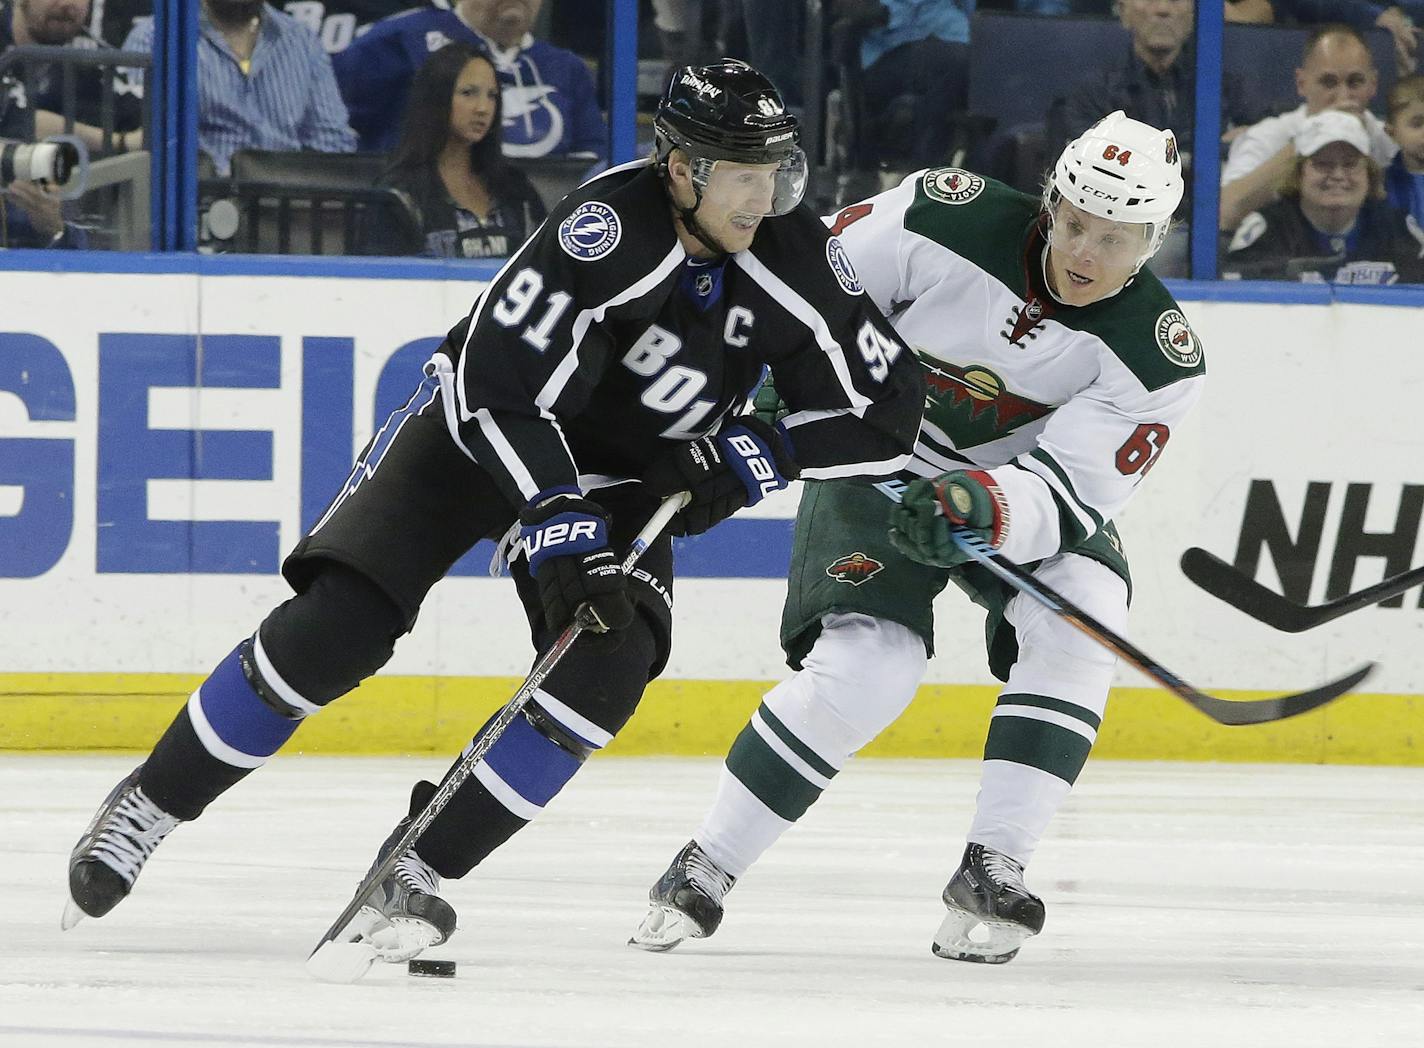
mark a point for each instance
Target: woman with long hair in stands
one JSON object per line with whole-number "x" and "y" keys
{"x": 472, "y": 202}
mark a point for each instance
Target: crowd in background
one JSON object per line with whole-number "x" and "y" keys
{"x": 456, "y": 100}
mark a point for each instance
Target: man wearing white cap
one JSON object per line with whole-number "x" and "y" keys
{"x": 1337, "y": 71}
{"x": 1331, "y": 213}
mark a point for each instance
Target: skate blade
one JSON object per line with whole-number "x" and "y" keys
{"x": 663, "y": 928}
{"x": 341, "y": 962}
{"x": 72, "y": 915}
{"x": 962, "y": 936}
{"x": 393, "y": 940}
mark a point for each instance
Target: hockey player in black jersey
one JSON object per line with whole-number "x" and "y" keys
{"x": 601, "y": 370}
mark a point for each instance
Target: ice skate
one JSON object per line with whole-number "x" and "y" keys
{"x": 991, "y": 912}
{"x": 405, "y": 914}
{"x": 112, "y": 850}
{"x": 685, "y": 903}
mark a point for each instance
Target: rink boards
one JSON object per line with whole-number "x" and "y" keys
{"x": 166, "y": 436}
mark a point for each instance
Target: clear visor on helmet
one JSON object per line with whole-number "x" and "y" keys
{"x": 751, "y": 190}
{"x": 1077, "y": 234}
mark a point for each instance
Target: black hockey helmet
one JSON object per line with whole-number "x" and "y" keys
{"x": 726, "y": 110}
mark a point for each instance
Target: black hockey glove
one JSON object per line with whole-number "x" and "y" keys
{"x": 566, "y": 541}
{"x": 738, "y": 466}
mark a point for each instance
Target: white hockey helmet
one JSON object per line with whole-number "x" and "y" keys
{"x": 1124, "y": 170}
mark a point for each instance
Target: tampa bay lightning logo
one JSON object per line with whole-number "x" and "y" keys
{"x": 841, "y": 267}
{"x": 590, "y": 232}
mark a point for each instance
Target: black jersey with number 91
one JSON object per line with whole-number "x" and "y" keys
{"x": 601, "y": 344}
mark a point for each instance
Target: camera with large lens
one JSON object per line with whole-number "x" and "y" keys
{"x": 50, "y": 162}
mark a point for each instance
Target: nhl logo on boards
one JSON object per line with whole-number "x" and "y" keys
{"x": 590, "y": 232}
{"x": 952, "y": 185}
{"x": 1177, "y": 341}
{"x": 841, "y": 267}
{"x": 855, "y": 569}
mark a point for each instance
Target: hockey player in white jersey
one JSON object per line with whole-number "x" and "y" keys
{"x": 1056, "y": 370}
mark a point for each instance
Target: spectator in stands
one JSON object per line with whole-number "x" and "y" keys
{"x": 1404, "y": 179}
{"x": 549, "y": 103}
{"x": 36, "y": 110}
{"x": 33, "y": 215}
{"x": 472, "y": 203}
{"x": 1336, "y": 72}
{"x": 1396, "y": 19}
{"x": 767, "y": 34}
{"x": 914, "y": 57}
{"x": 679, "y": 26}
{"x": 1154, "y": 81}
{"x": 337, "y": 23}
{"x": 263, "y": 83}
{"x": 1332, "y": 222}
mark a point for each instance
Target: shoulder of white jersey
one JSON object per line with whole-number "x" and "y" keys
{"x": 1147, "y": 331}
{"x": 966, "y": 211}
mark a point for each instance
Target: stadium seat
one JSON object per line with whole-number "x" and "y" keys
{"x": 308, "y": 169}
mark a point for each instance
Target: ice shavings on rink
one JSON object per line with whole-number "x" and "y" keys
{"x": 1188, "y": 905}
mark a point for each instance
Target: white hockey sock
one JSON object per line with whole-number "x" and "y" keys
{"x": 1016, "y": 804}
{"x": 739, "y": 827}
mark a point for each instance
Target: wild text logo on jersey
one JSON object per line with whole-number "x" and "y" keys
{"x": 1177, "y": 340}
{"x": 958, "y": 401}
{"x": 952, "y": 185}
{"x": 590, "y": 232}
{"x": 841, "y": 267}
{"x": 854, "y": 569}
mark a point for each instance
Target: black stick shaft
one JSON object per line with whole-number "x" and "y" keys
{"x": 466, "y": 765}
{"x": 1258, "y": 711}
{"x": 1227, "y": 583}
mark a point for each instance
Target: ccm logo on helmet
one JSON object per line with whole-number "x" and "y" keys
{"x": 762, "y": 471}
{"x": 559, "y": 534}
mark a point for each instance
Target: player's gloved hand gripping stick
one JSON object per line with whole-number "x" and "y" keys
{"x": 922, "y": 532}
{"x": 335, "y": 960}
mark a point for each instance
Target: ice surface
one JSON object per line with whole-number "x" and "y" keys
{"x": 1205, "y": 906}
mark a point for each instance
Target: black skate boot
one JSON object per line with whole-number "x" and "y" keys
{"x": 685, "y": 903}
{"x": 991, "y": 913}
{"x": 405, "y": 914}
{"x": 118, "y": 841}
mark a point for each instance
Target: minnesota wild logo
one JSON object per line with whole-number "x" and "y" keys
{"x": 971, "y": 404}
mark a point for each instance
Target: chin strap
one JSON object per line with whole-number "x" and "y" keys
{"x": 689, "y": 218}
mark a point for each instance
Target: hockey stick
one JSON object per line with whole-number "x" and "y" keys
{"x": 1244, "y": 593}
{"x": 337, "y": 961}
{"x": 1250, "y": 711}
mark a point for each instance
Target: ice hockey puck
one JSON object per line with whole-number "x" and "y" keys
{"x": 432, "y": 969}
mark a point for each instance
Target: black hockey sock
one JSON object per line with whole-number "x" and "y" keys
{"x": 229, "y": 727}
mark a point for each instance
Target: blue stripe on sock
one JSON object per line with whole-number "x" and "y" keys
{"x": 240, "y": 718}
{"x": 532, "y": 765}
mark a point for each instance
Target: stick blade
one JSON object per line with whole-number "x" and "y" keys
{"x": 341, "y": 962}
{"x": 1281, "y": 707}
{"x": 1245, "y": 594}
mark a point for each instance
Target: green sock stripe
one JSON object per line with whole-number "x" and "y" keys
{"x": 771, "y": 780}
{"x": 1043, "y": 702}
{"x": 1038, "y": 744}
{"x": 795, "y": 745}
